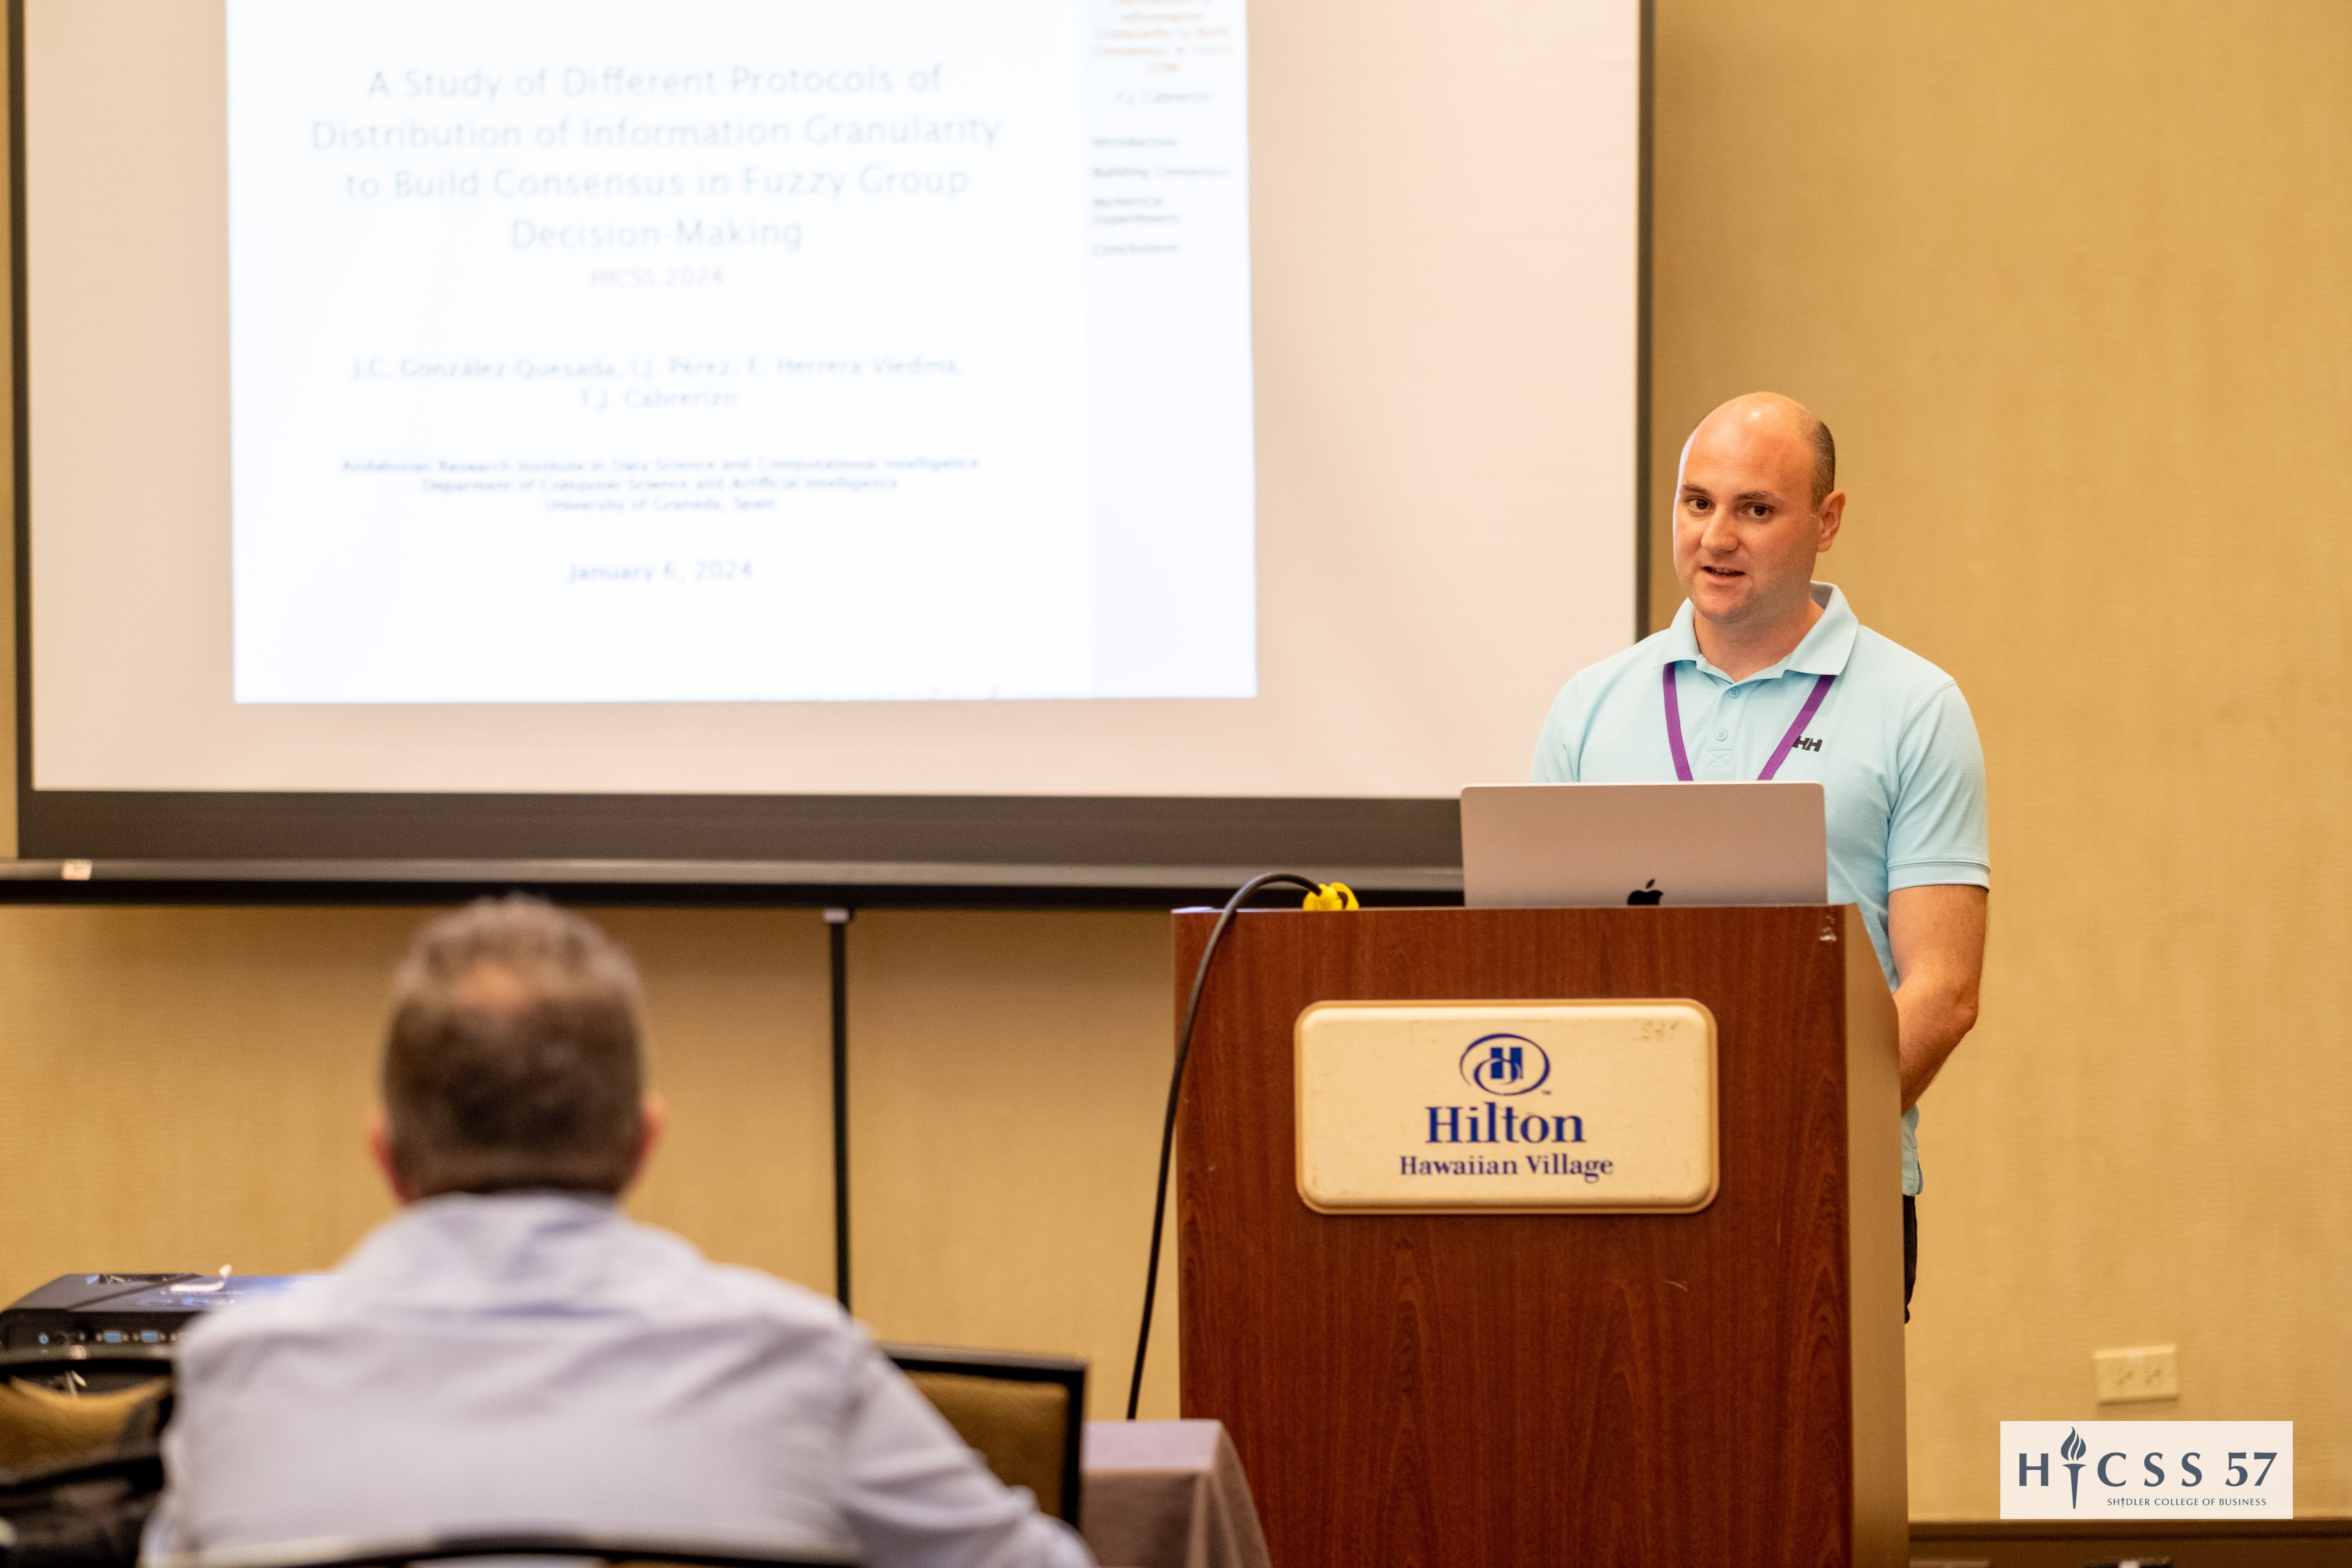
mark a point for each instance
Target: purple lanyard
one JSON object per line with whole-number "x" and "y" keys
{"x": 1780, "y": 753}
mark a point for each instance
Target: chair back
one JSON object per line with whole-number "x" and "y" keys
{"x": 60, "y": 1409}
{"x": 1025, "y": 1413}
{"x": 79, "y": 1467}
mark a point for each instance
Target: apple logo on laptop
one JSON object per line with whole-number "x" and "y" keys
{"x": 1648, "y": 892}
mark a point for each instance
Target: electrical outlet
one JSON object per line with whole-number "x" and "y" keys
{"x": 2143, "y": 1371}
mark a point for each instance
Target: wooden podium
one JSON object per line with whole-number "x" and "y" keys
{"x": 1717, "y": 1388}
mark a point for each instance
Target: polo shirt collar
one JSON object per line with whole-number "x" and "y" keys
{"x": 1824, "y": 651}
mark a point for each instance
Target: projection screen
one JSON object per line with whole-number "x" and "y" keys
{"x": 1048, "y": 439}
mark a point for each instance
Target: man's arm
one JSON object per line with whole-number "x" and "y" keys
{"x": 1938, "y": 935}
{"x": 916, "y": 1497}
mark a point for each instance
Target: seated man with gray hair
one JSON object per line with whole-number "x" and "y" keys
{"x": 510, "y": 1353}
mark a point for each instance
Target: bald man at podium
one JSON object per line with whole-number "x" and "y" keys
{"x": 1767, "y": 674}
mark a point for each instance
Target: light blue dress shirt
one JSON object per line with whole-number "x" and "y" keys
{"x": 535, "y": 1361}
{"x": 1893, "y": 746}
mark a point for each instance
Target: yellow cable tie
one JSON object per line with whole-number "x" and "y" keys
{"x": 1330, "y": 896}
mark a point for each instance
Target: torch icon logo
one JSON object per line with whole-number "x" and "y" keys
{"x": 2072, "y": 1451}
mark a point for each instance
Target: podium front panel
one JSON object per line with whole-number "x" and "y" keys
{"x": 1723, "y": 1386}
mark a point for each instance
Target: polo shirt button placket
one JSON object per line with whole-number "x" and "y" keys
{"x": 1715, "y": 766}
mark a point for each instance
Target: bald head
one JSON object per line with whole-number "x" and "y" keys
{"x": 1767, "y": 417}
{"x": 1755, "y": 504}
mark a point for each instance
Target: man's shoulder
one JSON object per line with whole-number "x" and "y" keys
{"x": 1640, "y": 658}
{"x": 1894, "y": 671}
{"x": 310, "y": 1307}
{"x": 1603, "y": 688}
{"x": 629, "y": 1272}
{"x": 1597, "y": 681}
{"x": 731, "y": 1290}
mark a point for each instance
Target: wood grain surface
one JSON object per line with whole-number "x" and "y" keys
{"x": 1667, "y": 1390}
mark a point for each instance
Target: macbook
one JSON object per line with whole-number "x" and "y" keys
{"x": 1587, "y": 845}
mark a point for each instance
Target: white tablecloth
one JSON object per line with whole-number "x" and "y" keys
{"x": 1167, "y": 1494}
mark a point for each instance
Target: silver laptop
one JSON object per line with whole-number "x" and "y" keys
{"x": 1584, "y": 845}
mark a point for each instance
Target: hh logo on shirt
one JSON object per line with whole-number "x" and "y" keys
{"x": 1808, "y": 743}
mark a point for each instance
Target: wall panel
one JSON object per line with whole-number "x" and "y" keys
{"x": 1008, "y": 1075}
{"x": 2067, "y": 282}
{"x": 181, "y": 1088}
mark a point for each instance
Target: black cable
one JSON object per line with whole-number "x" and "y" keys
{"x": 1175, "y": 1090}
{"x": 837, "y": 925}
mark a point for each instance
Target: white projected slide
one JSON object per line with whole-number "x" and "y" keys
{"x": 514, "y": 396}
{"x": 733, "y": 350}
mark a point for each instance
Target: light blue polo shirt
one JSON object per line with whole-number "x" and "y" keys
{"x": 1893, "y": 746}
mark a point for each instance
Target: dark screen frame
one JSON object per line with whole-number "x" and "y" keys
{"x": 950, "y": 849}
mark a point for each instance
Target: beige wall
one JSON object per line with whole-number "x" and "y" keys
{"x": 2070, "y": 282}
{"x": 181, "y": 1088}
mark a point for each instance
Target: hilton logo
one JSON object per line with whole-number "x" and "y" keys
{"x": 1505, "y": 1064}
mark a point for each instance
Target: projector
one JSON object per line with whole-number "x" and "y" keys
{"x": 79, "y": 1314}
